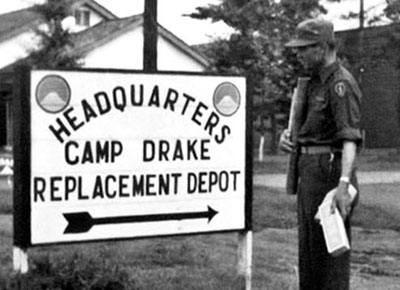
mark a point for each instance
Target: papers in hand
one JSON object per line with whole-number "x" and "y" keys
{"x": 335, "y": 235}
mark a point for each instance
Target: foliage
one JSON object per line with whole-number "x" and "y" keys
{"x": 392, "y": 11}
{"x": 73, "y": 272}
{"x": 373, "y": 57}
{"x": 256, "y": 48}
{"x": 55, "y": 47}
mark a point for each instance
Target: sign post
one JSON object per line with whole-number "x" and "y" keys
{"x": 20, "y": 258}
{"x": 21, "y": 174}
{"x": 245, "y": 252}
{"x": 115, "y": 155}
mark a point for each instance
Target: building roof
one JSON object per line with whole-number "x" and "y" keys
{"x": 17, "y": 22}
{"x": 107, "y": 14}
{"x": 107, "y": 31}
{"x": 372, "y": 31}
{"x": 104, "y": 32}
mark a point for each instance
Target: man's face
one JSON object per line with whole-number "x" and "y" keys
{"x": 311, "y": 56}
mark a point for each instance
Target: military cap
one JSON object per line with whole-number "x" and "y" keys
{"x": 312, "y": 31}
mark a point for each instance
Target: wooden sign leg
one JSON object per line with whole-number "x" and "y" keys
{"x": 20, "y": 257}
{"x": 245, "y": 251}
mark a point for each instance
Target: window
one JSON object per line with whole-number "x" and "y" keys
{"x": 86, "y": 18}
{"x": 3, "y": 123}
{"x": 6, "y": 126}
{"x": 82, "y": 17}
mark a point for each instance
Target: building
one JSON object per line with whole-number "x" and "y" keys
{"x": 17, "y": 27}
{"x": 104, "y": 40}
{"x": 373, "y": 56}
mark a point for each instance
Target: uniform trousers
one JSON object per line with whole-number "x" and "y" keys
{"x": 318, "y": 270}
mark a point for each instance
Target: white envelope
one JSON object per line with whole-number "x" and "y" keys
{"x": 333, "y": 228}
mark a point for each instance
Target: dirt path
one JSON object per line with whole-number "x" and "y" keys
{"x": 370, "y": 177}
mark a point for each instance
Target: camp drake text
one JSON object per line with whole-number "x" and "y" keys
{"x": 117, "y": 186}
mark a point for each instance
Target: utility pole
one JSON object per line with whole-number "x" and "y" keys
{"x": 362, "y": 16}
{"x": 150, "y": 34}
{"x": 361, "y": 52}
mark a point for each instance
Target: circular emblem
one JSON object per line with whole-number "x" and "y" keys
{"x": 340, "y": 89}
{"x": 226, "y": 99}
{"x": 53, "y": 94}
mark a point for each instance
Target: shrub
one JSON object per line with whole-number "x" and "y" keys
{"x": 77, "y": 272}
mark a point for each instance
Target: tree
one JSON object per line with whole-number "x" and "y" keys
{"x": 390, "y": 14}
{"x": 256, "y": 50}
{"x": 392, "y": 10}
{"x": 55, "y": 47}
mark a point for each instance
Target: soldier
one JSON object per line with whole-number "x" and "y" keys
{"x": 328, "y": 141}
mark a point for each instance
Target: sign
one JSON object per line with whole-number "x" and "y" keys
{"x": 122, "y": 154}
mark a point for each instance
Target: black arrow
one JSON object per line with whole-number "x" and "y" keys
{"x": 82, "y": 222}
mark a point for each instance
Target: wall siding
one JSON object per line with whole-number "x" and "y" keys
{"x": 374, "y": 59}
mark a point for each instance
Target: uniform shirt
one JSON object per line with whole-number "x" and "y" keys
{"x": 333, "y": 108}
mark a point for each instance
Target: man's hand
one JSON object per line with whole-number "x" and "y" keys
{"x": 284, "y": 142}
{"x": 342, "y": 200}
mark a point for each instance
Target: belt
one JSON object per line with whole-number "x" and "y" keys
{"x": 318, "y": 149}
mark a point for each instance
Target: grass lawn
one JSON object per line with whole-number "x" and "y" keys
{"x": 209, "y": 261}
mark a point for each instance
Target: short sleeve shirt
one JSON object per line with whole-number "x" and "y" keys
{"x": 333, "y": 108}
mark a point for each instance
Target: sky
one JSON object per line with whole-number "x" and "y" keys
{"x": 336, "y": 11}
{"x": 194, "y": 31}
{"x": 169, "y": 15}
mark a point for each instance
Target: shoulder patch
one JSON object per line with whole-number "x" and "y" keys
{"x": 340, "y": 89}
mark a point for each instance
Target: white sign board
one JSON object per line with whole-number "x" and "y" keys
{"x": 118, "y": 155}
